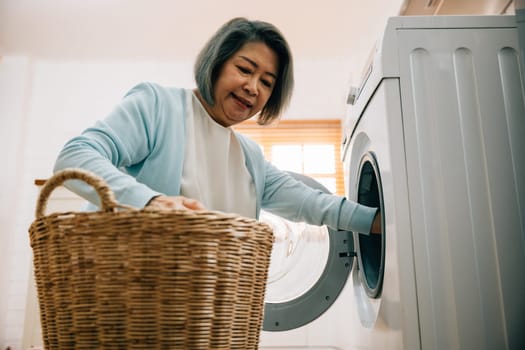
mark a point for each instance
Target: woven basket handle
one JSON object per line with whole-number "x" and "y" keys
{"x": 107, "y": 197}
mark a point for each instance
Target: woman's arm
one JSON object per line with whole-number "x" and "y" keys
{"x": 290, "y": 198}
{"x": 125, "y": 137}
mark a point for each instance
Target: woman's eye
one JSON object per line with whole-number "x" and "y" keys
{"x": 266, "y": 83}
{"x": 244, "y": 70}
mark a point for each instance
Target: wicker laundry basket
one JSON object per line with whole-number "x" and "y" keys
{"x": 124, "y": 278}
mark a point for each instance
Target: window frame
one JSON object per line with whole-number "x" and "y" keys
{"x": 300, "y": 131}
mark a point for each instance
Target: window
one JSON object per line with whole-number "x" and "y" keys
{"x": 310, "y": 147}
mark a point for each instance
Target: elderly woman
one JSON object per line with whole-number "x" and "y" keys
{"x": 174, "y": 148}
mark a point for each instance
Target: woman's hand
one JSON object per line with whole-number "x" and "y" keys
{"x": 174, "y": 202}
{"x": 376, "y": 224}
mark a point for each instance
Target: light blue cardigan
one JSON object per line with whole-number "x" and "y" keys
{"x": 139, "y": 150}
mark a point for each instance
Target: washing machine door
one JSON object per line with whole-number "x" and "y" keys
{"x": 309, "y": 268}
{"x": 370, "y": 249}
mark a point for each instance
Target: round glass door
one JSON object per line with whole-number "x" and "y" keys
{"x": 370, "y": 248}
{"x": 298, "y": 258}
{"x": 308, "y": 269}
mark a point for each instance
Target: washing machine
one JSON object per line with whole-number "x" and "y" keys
{"x": 434, "y": 137}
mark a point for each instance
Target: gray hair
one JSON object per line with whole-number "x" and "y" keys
{"x": 230, "y": 38}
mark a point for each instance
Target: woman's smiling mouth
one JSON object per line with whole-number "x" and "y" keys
{"x": 243, "y": 102}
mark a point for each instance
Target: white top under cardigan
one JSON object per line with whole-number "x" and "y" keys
{"x": 214, "y": 170}
{"x": 139, "y": 150}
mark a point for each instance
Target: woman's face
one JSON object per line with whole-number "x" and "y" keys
{"x": 244, "y": 84}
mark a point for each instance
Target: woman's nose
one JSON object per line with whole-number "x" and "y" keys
{"x": 251, "y": 87}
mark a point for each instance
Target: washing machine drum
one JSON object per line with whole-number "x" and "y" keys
{"x": 309, "y": 267}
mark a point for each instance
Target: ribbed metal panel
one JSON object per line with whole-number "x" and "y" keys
{"x": 464, "y": 120}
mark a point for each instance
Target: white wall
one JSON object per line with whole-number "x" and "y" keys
{"x": 15, "y": 82}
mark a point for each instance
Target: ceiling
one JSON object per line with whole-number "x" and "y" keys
{"x": 175, "y": 29}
